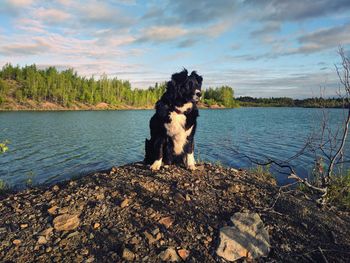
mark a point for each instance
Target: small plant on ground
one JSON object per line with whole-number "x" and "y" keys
{"x": 29, "y": 180}
{"x": 3, "y": 186}
{"x": 263, "y": 171}
{"x": 339, "y": 191}
{"x": 218, "y": 163}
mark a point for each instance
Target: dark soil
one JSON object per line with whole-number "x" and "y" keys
{"x": 121, "y": 214}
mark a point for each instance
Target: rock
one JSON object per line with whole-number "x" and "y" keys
{"x": 23, "y": 226}
{"x": 128, "y": 255}
{"x": 52, "y": 210}
{"x": 114, "y": 194}
{"x": 100, "y": 196}
{"x": 169, "y": 255}
{"x": 151, "y": 238}
{"x": 90, "y": 259}
{"x": 247, "y": 238}
{"x": 66, "y": 222}
{"x": 183, "y": 253}
{"x": 48, "y": 249}
{"x": 125, "y": 203}
{"x": 179, "y": 198}
{"x": 42, "y": 240}
{"x": 97, "y": 225}
{"x": 155, "y": 231}
{"x": 47, "y": 232}
{"x": 63, "y": 210}
{"x": 56, "y": 188}
{"x": 166, "y": 221}
{"x": 75, "y": 233}
{"x": 84, "y": 252}
{"x": 134, "y": 241}
{"x": 16, "y": 242}
{"x": 200, "y": 168}
{"x": 208, "y": 240}
{"x": 58, "y": 240}
{"x": 235, "y": 189}
{"x": 234, "y": 170}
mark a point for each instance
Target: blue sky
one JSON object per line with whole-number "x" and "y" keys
{"x": 262, "y": 48}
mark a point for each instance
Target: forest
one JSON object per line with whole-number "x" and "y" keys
{"x": 67, "y": 87}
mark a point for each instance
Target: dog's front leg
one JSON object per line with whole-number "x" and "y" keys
{"x": 189, "y": 156}
{"x": 158, "y": 147}
{"x": 190, "y": 161}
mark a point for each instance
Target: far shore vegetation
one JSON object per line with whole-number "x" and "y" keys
{"x": 289, "y": 102}
{"x": 31, "y": 88}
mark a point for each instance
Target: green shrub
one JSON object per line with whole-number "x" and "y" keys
{"x": 210, "y": 102}
{"x": 3, "y": 186}
{"x": 263, "y": 171}
{"x": 339, "y": 191}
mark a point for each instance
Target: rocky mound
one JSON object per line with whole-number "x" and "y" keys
{"x": 131, "y": 214}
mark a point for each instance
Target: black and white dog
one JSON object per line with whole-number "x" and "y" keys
{"x": 174, "y": 124}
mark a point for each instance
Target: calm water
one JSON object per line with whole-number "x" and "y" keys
{"x": 53, "y": 146}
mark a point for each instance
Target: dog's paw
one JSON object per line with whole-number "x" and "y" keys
{"x": 190, "y": 162}
{"x": 156, "y": 165}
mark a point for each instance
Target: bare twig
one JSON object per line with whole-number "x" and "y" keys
{"x": 306, "y": 182}
{"x": 323, "y": 256}
{"x": 344, "y": 80}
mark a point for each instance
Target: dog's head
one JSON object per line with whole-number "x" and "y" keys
{"x": 184, "y": 88}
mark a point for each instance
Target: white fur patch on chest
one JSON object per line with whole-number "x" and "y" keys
{"x": 176, "y": 128}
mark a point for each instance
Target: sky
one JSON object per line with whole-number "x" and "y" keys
{"x": 261, "y": 48}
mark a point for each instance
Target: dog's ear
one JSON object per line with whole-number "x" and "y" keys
{"x": 180, "y": 77}
{"x": 198, "y": 78}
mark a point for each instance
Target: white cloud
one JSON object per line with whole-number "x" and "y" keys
{"x": 51, "y": 15}
{"x": 14, "y": 7}
{"x": 214, "y": 30}
{"x": 30, "y": 25}
{"x": 19, "y": 3}
{"x": 24, "y": 48}
{"x": 100, "y": 13}
{"x": 162, "y": 33}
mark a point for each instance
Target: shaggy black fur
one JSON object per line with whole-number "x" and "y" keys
{"x": 182, "y": 89}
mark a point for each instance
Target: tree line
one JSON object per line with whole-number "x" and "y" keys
{"x": 222, "y": 96}
{"x": 67, "y": 87}
{"x": 289, "y": 102}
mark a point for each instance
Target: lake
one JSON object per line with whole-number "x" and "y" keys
{"x": 48, "y": 147}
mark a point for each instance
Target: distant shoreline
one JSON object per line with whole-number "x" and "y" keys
{"x": 49, "y": 106}
{"x": 31, "y": 105}
{"x": 113, "y": 108}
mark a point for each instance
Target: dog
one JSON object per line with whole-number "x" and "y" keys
{"x": 174, "y": 123}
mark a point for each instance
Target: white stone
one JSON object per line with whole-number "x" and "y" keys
{"x": 247, "y": 238}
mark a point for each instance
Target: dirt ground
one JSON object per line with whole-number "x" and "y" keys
{"x": 130, "y": 213}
